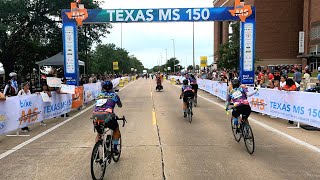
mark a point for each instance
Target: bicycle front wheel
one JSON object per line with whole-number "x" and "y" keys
{"x": 236, "y": 135}
{"x": 98, "y": 166}
{"x": 248, "y": 138}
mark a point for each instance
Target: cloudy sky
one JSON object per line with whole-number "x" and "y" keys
{"x": 148, "y": 41}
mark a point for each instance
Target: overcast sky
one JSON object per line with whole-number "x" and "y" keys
{"x": 148, "y": 41}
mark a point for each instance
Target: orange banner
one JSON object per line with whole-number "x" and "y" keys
{"x": 77, "y": 98}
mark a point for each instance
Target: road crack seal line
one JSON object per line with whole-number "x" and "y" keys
{"x": 159, "y": 137}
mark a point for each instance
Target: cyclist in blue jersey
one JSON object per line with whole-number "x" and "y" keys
{"x": 109, "y": 100}
{"x": 186, "y": 91}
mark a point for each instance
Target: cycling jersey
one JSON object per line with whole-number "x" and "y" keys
{"x": 192, "y": 81}
{"x": 186, "y": 88}
{"x": 112, "y": 100}
{"x": 238, "y": 96}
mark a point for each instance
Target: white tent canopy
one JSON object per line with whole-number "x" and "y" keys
{"x": 56, "y": 60}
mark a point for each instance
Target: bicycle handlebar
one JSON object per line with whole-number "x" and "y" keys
{"x": 122, "y": 119}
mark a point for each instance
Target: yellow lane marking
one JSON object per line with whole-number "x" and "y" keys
{"x": 154, "y": 119}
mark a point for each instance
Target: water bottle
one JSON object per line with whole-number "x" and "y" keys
{"x": 235, "y": 121}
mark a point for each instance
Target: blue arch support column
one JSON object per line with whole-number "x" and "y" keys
{"x": 70, "y": 52}
{"x": 247, "y": 51}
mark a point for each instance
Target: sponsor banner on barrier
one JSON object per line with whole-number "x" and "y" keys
{"x": 31, "y": 109}
{"x": 292, "y": 105}
{"x": 77, "y": 98}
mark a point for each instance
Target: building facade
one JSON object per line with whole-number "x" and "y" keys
{"x": 278, "y": 23}
{"x": 310, "y": 42}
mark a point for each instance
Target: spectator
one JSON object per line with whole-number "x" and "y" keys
{"x": 276, "y": 85}
{"x": 277, "y": 76}
{"x": 270, "y": 76}
{"x": 283, "y": 80}
{"x": 45, "y": 89}
{"x": 306, "y": 80}
{"x": 297, "y": 76}
{"x": 290, "y": 86}
{"x": 24, "y": 92}
{"x": 64, "y": 81}
{"x": 11, "y": 89}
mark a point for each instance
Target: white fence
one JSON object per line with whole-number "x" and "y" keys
{"x": 303, "y": 107}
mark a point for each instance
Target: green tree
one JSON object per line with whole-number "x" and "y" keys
{"x": 229, "y": 53}
{"x": 105, "y": 54}
{"x": 190, "y": 67}
{"x": 30, "y": 31}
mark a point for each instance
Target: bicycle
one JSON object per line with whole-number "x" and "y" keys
{"x": 103, "y": 151}
{"x": 189, "y": 109}
{"x": 243, "y": 129}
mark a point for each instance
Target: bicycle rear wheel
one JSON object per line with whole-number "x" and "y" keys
{"x": 195, "y": 101}
{"x": 98, "y": 166}
{"x": 237, "y": 136}
{"x": 116, "y": 157}
{"x": 248, "y": 138}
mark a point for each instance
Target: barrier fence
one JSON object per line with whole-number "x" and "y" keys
{"x": 18, "y": 112}
{"x": 302, "y": 107}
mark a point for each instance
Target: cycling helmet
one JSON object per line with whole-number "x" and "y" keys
{"x": 185, "y": 82}
{"x": 236, "y": 83}
{"x": 107, "y": 85}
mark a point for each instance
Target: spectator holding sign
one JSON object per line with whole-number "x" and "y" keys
{"x": 45, "y": 89}
{"x": 25, "y": 92}
{"x": 64, "y": 81}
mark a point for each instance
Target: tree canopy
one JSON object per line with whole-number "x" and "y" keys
{"x": 30, "y": 31}
{"x": 105, "y": 54}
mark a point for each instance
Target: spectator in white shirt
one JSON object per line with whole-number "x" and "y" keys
{"x": 306, "y": 80}
{"x": 282, "y": 81}
{"x": 24, "y": 92}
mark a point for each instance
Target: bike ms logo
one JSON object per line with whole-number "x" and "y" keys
{"x": 78, "y": 13}
{"x": 241, "y": 10}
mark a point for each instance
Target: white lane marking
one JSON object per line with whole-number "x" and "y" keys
{"x": 293, "y": 139}
{"x": 3, "y": 155}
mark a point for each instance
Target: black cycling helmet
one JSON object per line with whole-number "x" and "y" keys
{"x": 185, "y": 82}
{"x": 235, "y": 83}
{"x": 107, "y": 85}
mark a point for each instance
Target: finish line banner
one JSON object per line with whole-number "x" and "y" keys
{"x": 158, "y": 15}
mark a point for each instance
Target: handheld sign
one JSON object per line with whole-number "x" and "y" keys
{"x": 45, "y": 97}
{"x": 54, "y": 82}
{"x": 69, "y": 89}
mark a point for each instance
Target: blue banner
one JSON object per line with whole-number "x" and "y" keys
{"x": 247, "y": 51}
{"x": 154, "y": 15}
{"x": 70, "y": 53}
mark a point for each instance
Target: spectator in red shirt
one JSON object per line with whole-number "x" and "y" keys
{"x": 270, "y": 76}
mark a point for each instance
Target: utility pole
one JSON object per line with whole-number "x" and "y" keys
{"x": 193, "y": 48}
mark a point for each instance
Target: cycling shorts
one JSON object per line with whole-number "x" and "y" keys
{"x": 245, "y": 110}
{"x": 187, "y": 94}
{"x": 194, "y": 87}
{"x": 112, "y": 124}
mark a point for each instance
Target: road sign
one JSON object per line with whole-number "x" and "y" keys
{"x": 115, "y": 66}
{"x": 203, "y": 61}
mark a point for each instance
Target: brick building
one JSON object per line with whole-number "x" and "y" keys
{"x": 278, "y": 23}
{"x": 311, "y": 29}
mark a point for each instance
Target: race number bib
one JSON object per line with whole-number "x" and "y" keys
{"x": 236, "y": 95}
{"x": 101, "y": 102}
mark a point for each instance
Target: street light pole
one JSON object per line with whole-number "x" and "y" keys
{"x": 121, "y": 35}
{"x": 174, "y": 56}
{"x": 166, "y": 57}
{"x": 193, "y": 47}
